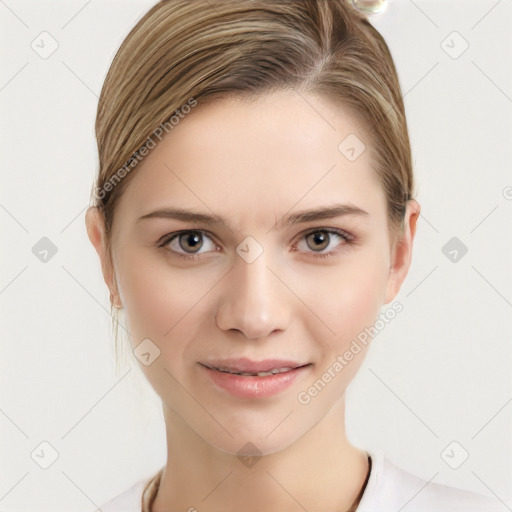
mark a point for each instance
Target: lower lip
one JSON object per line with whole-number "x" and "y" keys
{"x": 254, "y": 387}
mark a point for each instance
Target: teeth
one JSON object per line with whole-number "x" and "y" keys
{"x": 259, "y": 374}
{"x": 274, "y": 371}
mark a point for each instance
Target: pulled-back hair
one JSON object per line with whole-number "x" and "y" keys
{"x": 188, "y": 52}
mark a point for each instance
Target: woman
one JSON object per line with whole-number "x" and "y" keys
{"x": 253, "y": 213}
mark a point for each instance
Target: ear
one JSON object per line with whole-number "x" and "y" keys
{"x": 401, "y": 251}
{"x": 95, "y": 224}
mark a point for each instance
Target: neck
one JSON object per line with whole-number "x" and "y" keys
{"x": 321, "y": 471}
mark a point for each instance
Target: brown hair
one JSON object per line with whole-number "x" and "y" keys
{"x": 187, "y": 52}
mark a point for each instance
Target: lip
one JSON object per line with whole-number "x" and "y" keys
{"x": 253, "y": 386}
{"x": 246, "y": 365}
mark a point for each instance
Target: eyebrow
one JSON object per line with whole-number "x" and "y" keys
{"x": 320, "y": 213}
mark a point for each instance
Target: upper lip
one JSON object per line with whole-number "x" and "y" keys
{"x": 248, "y": 366}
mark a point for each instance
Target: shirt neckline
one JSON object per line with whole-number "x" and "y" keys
{"x": 377, "y": 457}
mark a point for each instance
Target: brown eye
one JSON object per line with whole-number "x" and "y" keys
{"x": 318, "y": 240}
{"x": 191, "y": 241}
{"x": 189, "y": 244}
{"x": 324, "y": 242}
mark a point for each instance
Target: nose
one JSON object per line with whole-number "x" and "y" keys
{"x": 253, "y": 301}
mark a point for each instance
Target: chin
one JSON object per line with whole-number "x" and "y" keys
{"x": 256, "y": 434}
{"x": 251, "y": 445}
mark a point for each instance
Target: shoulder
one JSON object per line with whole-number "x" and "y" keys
{"x": 391, "y": 488}
{"x": 128, "y": 501}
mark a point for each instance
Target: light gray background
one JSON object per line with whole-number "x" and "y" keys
{"x": 438, "y": 373}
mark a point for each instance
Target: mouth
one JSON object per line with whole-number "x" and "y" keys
{"x": 249, "y": 379}
{"x": 249, "y": 368}
{"x": 265, "y": 373}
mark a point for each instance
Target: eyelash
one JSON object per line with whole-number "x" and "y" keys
{"x": 347, "y": 238}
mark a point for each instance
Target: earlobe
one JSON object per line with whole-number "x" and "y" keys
{"x": 95, "y": 226}
{"x": 401, "y": 255}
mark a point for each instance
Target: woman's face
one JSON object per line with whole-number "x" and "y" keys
{"x": 297, "y": 267}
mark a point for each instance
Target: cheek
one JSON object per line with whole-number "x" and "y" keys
{"x": 347, "y": 297}
{"x": 159, "y": 300}
{"x": 354, "y": 288}
{"x": 166, "y": 305}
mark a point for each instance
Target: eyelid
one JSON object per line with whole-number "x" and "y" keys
{"x": 169, "y": 237}
{"x": 336, "y": 231}
{"x": 165, "y": 239}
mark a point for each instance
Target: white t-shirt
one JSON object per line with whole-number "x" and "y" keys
{"x": 389, "y": 489}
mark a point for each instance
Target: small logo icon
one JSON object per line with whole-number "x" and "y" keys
{"x": 351, "y": 147}
{"x": 454, "y": 250}
{"x": 249, "y": 455}
{"x": 454, "y": 45}
{"x": 146, "y": 352}
{"x": 249, "y": 250}
{"x": 507, "y": 193}
{"x": 44, "y": 455}
{"x": 455, "y": 455}
{"x": 45, "y": 45}
{"x": 44, "y": 250}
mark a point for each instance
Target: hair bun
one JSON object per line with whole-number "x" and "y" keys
{"x": 369, "y": 6}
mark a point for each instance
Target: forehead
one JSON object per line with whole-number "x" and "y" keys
{"x": 252, "y": 155}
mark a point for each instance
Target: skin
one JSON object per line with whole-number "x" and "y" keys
{"x": 255, "y": 163}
